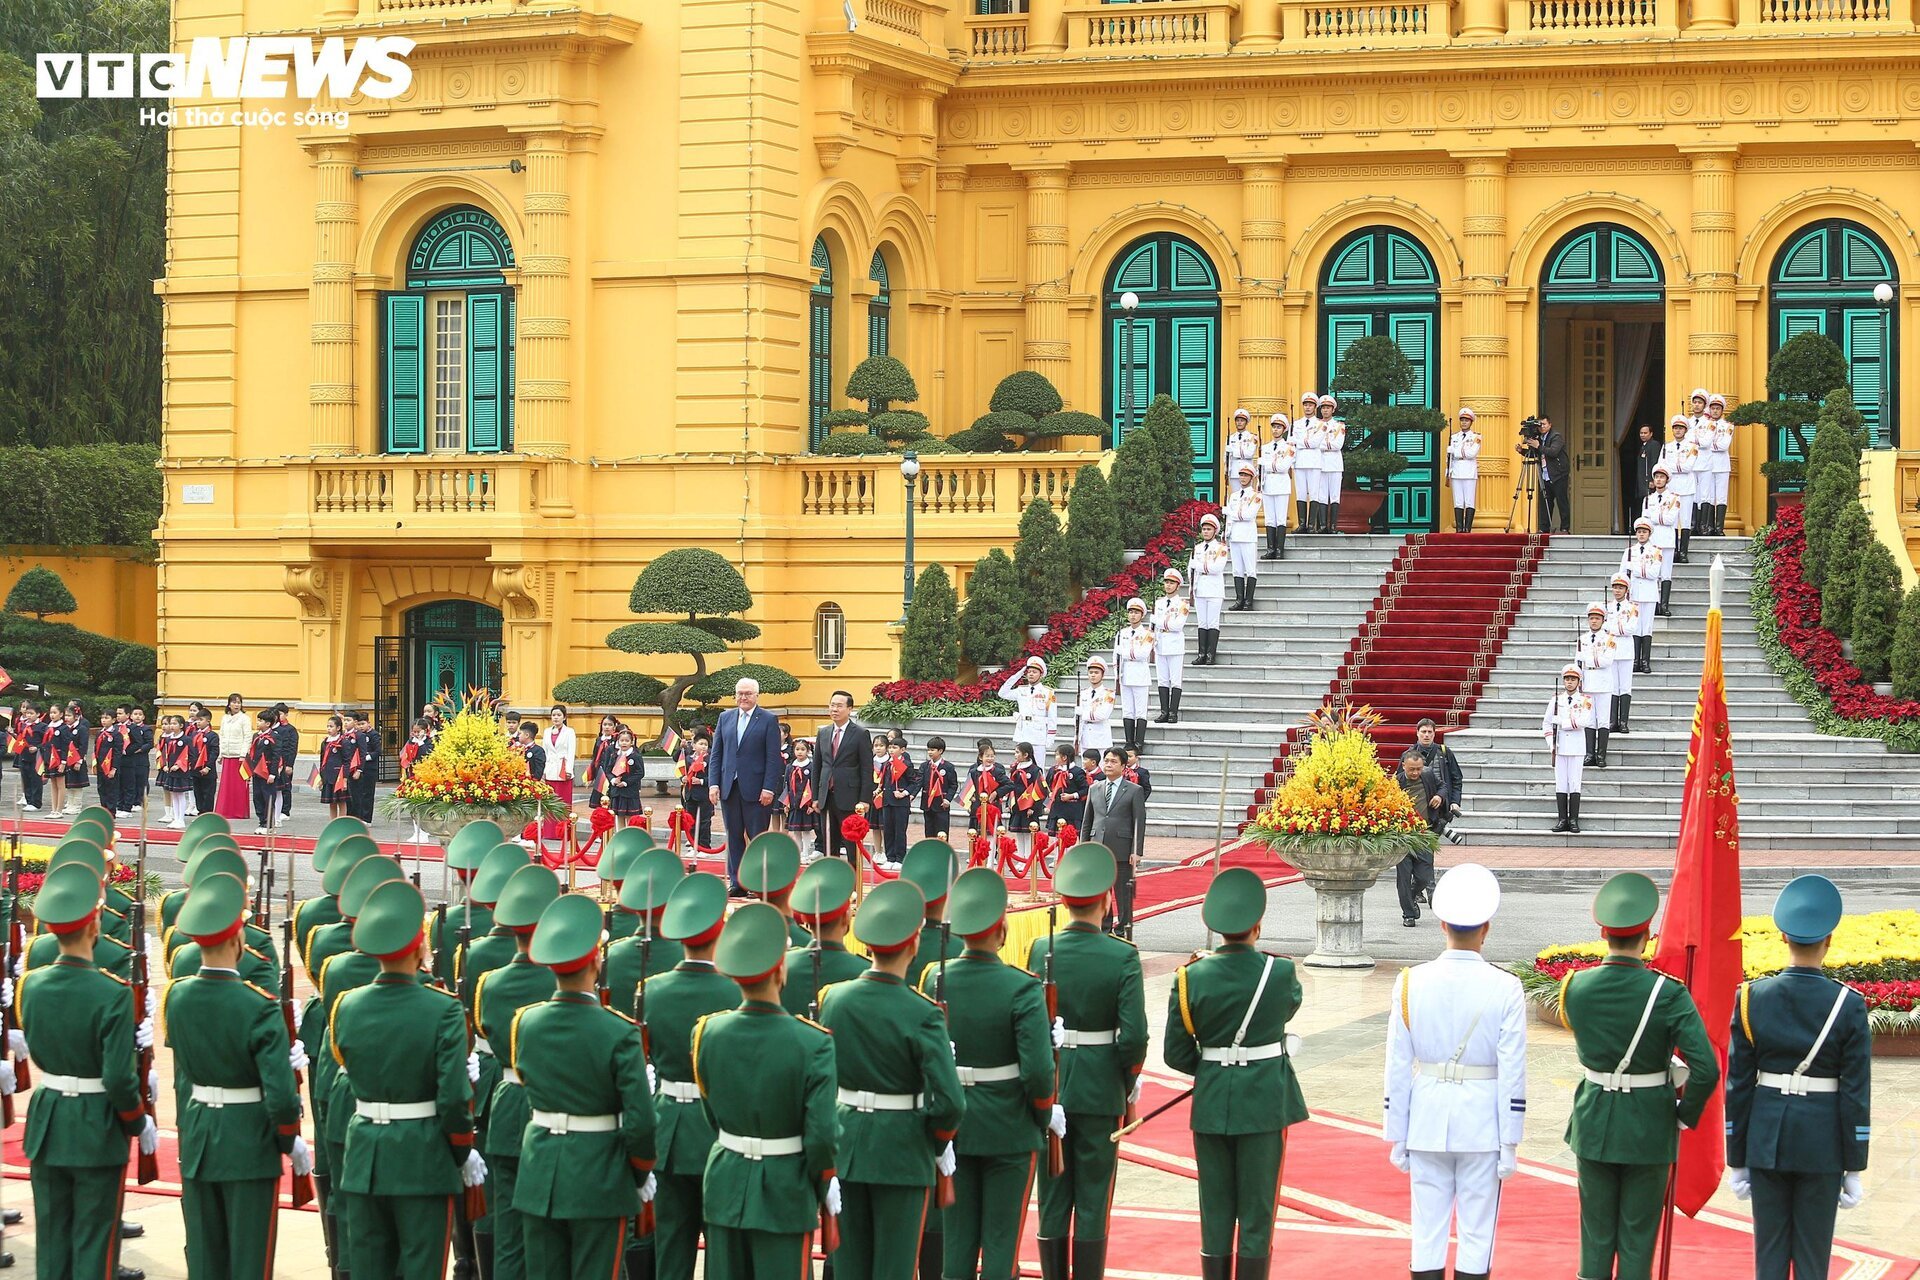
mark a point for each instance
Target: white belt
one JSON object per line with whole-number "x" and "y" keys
{"x": 388, "y": 1112}
{"x": 209, "y": 1095}
{"x": 970, "y": 1076}
{"x": 1798, "y": 1085}
{"x": 562, "y": 1122}
{"x": 680, "y": 1090}
{"x": 760, "y": 1148}
{"x": 1239, "y": 1055}
{"x": 480, "y": 1045}
{"x": 1620, "y": 1082}
{"x": 1086, "y": 1039}
{"x": 1451, "y": 1072}
{"x": 510, "y": 1075}
{"x": 72, "y": 1086}
{"x": 868, "y": 1100}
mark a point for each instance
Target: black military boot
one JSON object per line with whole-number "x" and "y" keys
{"x": 1470, "y": 511}
{"x": 1333, "y": 526}
{"x": 1251, "y": 582}
{"x": 1685, "y": 537}
{"x": 1560, "y": 805}
{"x": 1239, "y": 596}
{"x": 1664, "y": 609}
{"x": 483, "y": 1256}
{"x": 1280, "y": 545}
{"x": 1313, "y": 517}
{"x": 1213, "y": 648}
{"x": 1174, "y": 718}
{"x": 1162, "y": 717}
{"x": 1573, "y": 812}
{"x": 1622, "y": 708}
{"x": 1437, "y": 1274}
{"x": 1053, "y": 1258}
{"x": 1470, "y": 1275}
{"x": 1587, "y": 761}
{"x": 1215, "y": 1268}
{"x": 1251, "y": 1266}
{"x": 1089, "y": 1260}
{"x": 1600, "y": 756}
{"x": 1269, "y": 553}
{"x": 1300, "y": 509}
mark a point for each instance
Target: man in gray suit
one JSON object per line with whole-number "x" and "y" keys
{"x": 1117, "y": 818}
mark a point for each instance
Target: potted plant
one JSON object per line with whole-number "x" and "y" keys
{"x": 1342, "y": 821}
{"x": 1377, "y": 370}
{"x": 472, "y": 774}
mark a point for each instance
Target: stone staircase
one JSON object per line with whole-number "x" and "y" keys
{"x": 1798, "y": 789}
{"x": 1276, "y": 663}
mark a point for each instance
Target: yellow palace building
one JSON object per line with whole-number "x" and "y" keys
{"x": 441, "y": 381}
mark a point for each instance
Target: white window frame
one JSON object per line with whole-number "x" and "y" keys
{"x": 447, "y": 362}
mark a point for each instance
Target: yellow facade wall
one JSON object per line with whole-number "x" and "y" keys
{"x": 115, "y": 590}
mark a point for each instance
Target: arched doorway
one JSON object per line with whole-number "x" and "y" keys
{"x": 1822, "y": 282}
{"x": 1378, "y": 281}
{"x": 445, "y": 646}
{"x": 447, "y": 343}
{"x": 1171, "y": 347}
{"x": 1603, "y": 363}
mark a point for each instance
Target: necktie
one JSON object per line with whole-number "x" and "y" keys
{"x": 838, "y": 730}
{"x": 1112, "y": 787}
{"x": 740, "y": 726}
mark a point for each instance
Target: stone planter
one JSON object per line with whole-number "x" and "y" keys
{"x": 1034, "y": 633}
{"x": 448, "y": 827}
{"x": 1340, "y": 872}
{"x": 1128, "y": 557}
{"x": 1357, "y": 509}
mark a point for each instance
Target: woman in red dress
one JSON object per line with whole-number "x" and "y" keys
{"x": 235, "y": 797}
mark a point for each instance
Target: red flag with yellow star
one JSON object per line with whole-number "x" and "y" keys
{"x": 1700, "y": 937}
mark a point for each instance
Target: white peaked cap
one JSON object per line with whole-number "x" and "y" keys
{"x": 1467, "y": 896}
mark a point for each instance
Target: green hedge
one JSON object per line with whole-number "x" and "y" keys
{"x": 81, "y": 496}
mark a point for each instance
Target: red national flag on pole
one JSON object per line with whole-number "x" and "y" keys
{"x": 6, "y": 681}
{"x": 1700, "y": 937}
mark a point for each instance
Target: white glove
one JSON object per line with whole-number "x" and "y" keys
{"x": 6, "y": 993}
{"x": 474, "y": 1171}
{"x": 647, "y": 1188}
{"x": 946, "y": 1162}
{"x": 1742, "y": 1183}
{"x": 473, "y": 1067}
{"x": 149, "y": 1137}
{"x": 153, "y": 1003}
{"x": 1057, "y": 1121}
{"x": 143, "y": 1034}
{"x": 653, "y": 1079}
{"x": 1133, "y": 1096}
{"x": 302, "y": 1157}
{"x": 8, "y": 1082}
{"x": 16, "y": 1042}
{"x": 1851, "y": 1192}
{"x": 1059, "y": 1032}
{"x": 833, "y": 1196}
{"x": 297, "y": 1057}
{"x": 1509, "y": 1161}
{"x": 153, "y": 1083}
{"x": 1397, "y": 1156}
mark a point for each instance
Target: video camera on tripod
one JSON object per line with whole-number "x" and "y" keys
{"x": 1526, "y": 485}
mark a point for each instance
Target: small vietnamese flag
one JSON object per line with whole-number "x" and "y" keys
{"x": 6, "y": 681}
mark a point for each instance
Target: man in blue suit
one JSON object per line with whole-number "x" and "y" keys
{"x": 746, "y": 771}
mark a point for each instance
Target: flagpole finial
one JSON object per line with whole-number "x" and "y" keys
{"x": 1716, "y": 581}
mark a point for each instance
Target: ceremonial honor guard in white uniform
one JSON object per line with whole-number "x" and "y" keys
{"x": 1714, "y": 438}
{"x": 1243, "y": 534}
{"x": 1456, "y": 1097}
{"x": 1242, "y": 446}
{"x": 1036, "y": 717}
{"x": 1276, "y": 486}
{"x": 1207, "y": 587}
{"x": 1646, "y": 569}
{"x": 1333, "y": 443}
{"x": 1599, "y": 656}
{"x": 1169, "y": 643}
{"x": 1623, "y": 620}
{"x": 1307, "y": 436}
{"x": 1664, "y": 511}
{"x": 1565, "y": 725}
{"x": 1681, "y": 457}
{"x": 1463, "y": 471}
{"x": 1133, "y": 654}
{"x": 1094, "y": 712}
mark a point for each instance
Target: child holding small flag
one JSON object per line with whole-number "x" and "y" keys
{"x": 798, "y": 801}
{"x": 899, "y": 781}
{"x": 939, "y": 783}
{"x": 695, "y": 797}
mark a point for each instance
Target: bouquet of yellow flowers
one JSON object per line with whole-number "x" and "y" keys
{"x": 1340, "y": 791}
{"x": 473, "y": 771}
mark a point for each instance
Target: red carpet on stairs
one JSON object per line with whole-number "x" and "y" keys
{"x": 1431, "y": 637}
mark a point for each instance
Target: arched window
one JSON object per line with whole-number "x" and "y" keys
{"x": 1168, "y": 345}
{"x": 447, "y": 341}
{"x": 1823, "y": 282}
{"x": 880, "y": 309}
{"x": 829, "y": 635}
{"x": 819, "y": 345}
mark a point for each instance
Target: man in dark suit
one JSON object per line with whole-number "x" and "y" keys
{"x": 842, "y": 770}
{"x": 1117, "y": 818}
{"x": 1555, "y": 465}
{"x": 1646, "y": 456}
{"x": 745, "y": 771}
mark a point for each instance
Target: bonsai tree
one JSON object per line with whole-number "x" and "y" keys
{"x": 1848, "y": 539}
{"x": 1876, "y": 608}
{"x": 1377, "y": 370}
{"x": 1068, "y": 422}
{"x": 1040, "y": 562}
{"x": 882, "y": 382}
{"x": 990, "y": 632}
{"x": 41, "y": 593}
{"x": 930, "y": 649}
{"x": 1173, "y": 439}
{"x": 1025, "y": 392}
{"x": 1807, "y": 367}
{"x": 1093, "y": 529}
{"x": 1138, "y": 489}
{"x": 851, "y": 444}
{"x": 1025, "y": 405}
{"x": 1906, "y": 648}
{"x": 703, "y": 586}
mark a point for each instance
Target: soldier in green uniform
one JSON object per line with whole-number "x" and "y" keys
{"x": 624, "y": 846}
{"x": 997, "y": 1021}
{"x": 1627, "y": 1022}
{"x": 335, "y": 938}
{"x": 1102, "y": 1006}
{"x": 696, "y": 911}
{"x": 931, "y": 866}
{"x": 467, "y": 853}
{"x": 768, "y": 1082}
{"x": 768, "y": 868}
{"x": 1227, "y": 1028}
{"x": 821, "y": 899}
{"x": 498, "y": 996}
{"x": 110, "y": 955}
{"x": 235, "y": 1101}
{"x": 324, "y": 907}
{"x": 651, "y": 876}
{"x": 586, "y": 1158}
{"x": 81, "y": 1030}
{"x": 403, "y": 1047}
{"x": 1799, "y": 1082}
{"x": 198, "y": 834}
{"x": 171, "y": 903}
{"x": 899, "y": 1096}
{"x": 114, "y": 905}
{"x": 229, "y": 862}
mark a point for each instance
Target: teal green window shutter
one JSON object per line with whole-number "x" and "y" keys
{"x": 403, "y": 372}
{"x": 486, "y": 370}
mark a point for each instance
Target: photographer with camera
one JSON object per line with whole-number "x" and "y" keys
{"x": 1540, "y": 442}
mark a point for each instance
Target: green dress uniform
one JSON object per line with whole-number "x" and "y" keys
{"x": 624, "y": 965}
{"x": 1226, "y": 1025}
{"x": 647, "y": 878}
{"x": 116, "y": 906}
{"x": 931, "y": 866}
{"x": 837, "y": 964}
{"x": 588, "y": 1143}
{"x": 1799, "y": 1084}
{"x": 309, "y": 917}
{"x": 768, "y": 1081}
{"x": 900, "y": 1098}
{"x": 683, "y": 1138}
{"x": 79, "y": 1021}
{"x": 254, "y": 967}
{"x": 403, "y": 1047}
{"x": 928, "y": 954}
{"x": 110, "y": 955}
{"x": 1100, "y": 996}
{"x": 997, "y": 1020}
{"x": 1625, "y": 1126}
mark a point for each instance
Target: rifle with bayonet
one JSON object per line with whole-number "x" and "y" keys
{"x": 1056, "y": 1150}
{"x": 299, "y": 1185}
{"x": 829, "y": 1223}
{"x": 149, "y": 1162}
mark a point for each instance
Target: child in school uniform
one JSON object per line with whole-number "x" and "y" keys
{"x": 625, "y": 773}
{"x": 176, "y": 777}
{"x": 600, "y": 759}
{"x": 136, "y": 759}
{"x": 797, "y": 802}
{"x": 108, "y": 753}
{"x": 1066, "y": 793}
{"x": 899, "y": 781}
{"x": 939, "y": 784}
{"x": 1026, "y": 793}
{"x": 695, "y": 797}
{"x": 987, "y": 781}
{"x": 419, "y": 746}
{"x": 331, "y": 776}
{"x": 203, "y": 762}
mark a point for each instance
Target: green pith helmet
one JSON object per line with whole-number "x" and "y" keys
{"x": 199, "y": 829}
{"x": 96, "y": 813}
{"x": 1085, "y": 874}
{"x": 623, "y": 846}
{"x": 568, "y": 933}
{"x": 770, "y": 863}
{"x": 470, "y": 847}
{"x": 490, "y": 881}
{"x": 1236, "y": 901}
{"x": 330, "y": 837}
{"x": 68, "y": 897}
{"x": 753, "y": 944}
{"x": 84, "y": 852}
{"x": 823, "y": 890}
{"x": 1626, "y": 904}
{"x": 367, "y": 875}
{"x": 347, "y": 855}
{"x": 391, "y": 920}
{"x": 214, "y": 907}
{"x": 219, "y": 862}
{"x": 529, "y": 891}
{"x": 218, "y": 840}
{"x": 92, "y": 828}
{"x": 979, "y": 902}
{"x": 931, "y": 866}
{"x": 650, "y": 880}
{"x": 695, "y": 908}
{"x": 889, "y": 917}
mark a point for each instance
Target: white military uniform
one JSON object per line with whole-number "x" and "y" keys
{"x": 1463, "y": 470}
{"x": 1333, "y": 464}
{"x": 1207, "y": 572}
{"x": 1664, "y": 511}
{"x": 1716, "y": 441}
{"x": 1456, "y": 1084}
{"x": 1276, "y": 479}
{"x": 1682, "y": 460}
{"x": 1307, "y": 437}
{"x": 1645, "y": 566}
{"x": 1243, "y": 531}
{"x": 1599, "y": 656}
{"x": 1036, "y": 716}
{"x": 1565, "y": 725}
{"x": 1133, "y": 657}
{"x": 1170, "y": 638}
{"x": 1242, "y": 446}
{"x": 1623, "y": 620}
{"x": 1094, "y": 712}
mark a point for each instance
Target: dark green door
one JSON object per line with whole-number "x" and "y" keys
{"x": 452, "y": 646}
{"x": 446, "y": 669}
{"x": 1823, "y": 282}
{"x": 1171, "y": 347}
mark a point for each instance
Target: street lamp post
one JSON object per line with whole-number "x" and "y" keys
{"x": 909, "y": 468}
{"x": 1883, "y": 298}
{"x": 1129, "y": 302}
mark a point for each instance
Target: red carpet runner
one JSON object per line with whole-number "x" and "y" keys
{"x": 1431, "y": 637}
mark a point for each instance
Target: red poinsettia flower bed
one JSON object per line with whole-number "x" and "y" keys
{"x": 1796, "y": 608}
{"x": 1141, "y": 578}
{"x": 1901, "y": 996}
